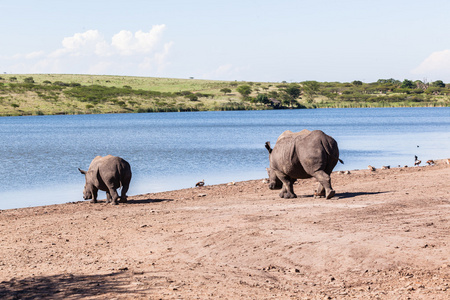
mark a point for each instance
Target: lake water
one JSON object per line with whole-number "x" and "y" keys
{"x": 39, "y": 155}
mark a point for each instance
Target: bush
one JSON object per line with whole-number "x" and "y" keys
{"x": 192, "y": 97}
{"x": 60, "y": 83}
{"x": 225, "y": 91}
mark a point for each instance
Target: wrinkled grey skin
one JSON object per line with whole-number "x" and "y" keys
{"x": 302, "y": 155}
{"x": 107, "y": 173}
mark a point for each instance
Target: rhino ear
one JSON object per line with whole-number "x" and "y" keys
{"x": 268, "y": 147}
{"x": 81, "y": 171}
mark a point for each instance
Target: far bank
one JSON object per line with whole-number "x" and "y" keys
{"x": 62, "y": 94}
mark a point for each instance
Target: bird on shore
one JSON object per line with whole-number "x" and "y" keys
{"x": 417, "y": 161}
{"x": 430, "y": 162}
{"x": 200, "y": 183}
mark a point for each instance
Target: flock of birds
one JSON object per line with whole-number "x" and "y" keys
{"x": 417, "y": 162}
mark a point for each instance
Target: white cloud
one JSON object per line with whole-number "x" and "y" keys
{"x": 89, "y": 52}
{"x": 436, "y": 65}
{"x": 87, "y": 43}
{"x": 141, "y": 42}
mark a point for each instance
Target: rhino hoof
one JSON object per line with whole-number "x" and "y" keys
{"x": 288, "y": 195}
{"x": 331, "y": 194}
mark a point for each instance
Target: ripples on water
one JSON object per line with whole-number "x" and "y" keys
{"x": 40, "y": 154}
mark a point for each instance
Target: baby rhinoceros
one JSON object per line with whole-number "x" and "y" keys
{"x": 302, "y": 155}
{"x": 107, "y": 173}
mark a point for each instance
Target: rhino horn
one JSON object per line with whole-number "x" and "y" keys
{"x": 81, "y": 171}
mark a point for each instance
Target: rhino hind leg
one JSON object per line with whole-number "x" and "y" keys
{"x": 325, "y": 180}
{"x": 287, "y": 191}
{"x": 320, "y": 192}
{"x": 123, "y": 193}
{"x": 108, "y": 197}
{"x": 286, "y": 194}
{"x": 112, "y": 196}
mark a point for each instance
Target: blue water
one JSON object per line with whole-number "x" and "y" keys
{"x": 39, "y": 155}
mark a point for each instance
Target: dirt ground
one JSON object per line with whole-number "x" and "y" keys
{"x": 386, "y": 235}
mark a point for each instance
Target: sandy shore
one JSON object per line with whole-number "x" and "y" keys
{"x": 386, "y": 235}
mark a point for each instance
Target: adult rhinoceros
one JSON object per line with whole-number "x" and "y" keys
{"x": 301, "y": 155}
{"x": 107, "y": 173}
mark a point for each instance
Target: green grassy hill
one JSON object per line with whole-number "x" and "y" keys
{"x": 45, "y": 94}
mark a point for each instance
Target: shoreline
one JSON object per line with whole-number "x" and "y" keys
{"x": 384, "y": 235}
{"x": 101, "y": 200}
{"x": 439, "y": 162}
{"x": 340, "y": 106}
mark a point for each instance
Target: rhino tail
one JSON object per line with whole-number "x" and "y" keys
{"x": 327, "y": 149}
{"x": 268, "y": 147}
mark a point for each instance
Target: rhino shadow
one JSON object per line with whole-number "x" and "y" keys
{"x": 356, "y": 194}
{"x": 344, "y": 195}
{"x": 148, "y": 200}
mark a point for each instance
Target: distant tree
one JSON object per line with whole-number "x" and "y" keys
{"x": 407, "y": 84}
{"x": 244, "y": 90}
{"x": 289, "y": 93}
{"x": 310, "y": 89}
{"x": 357, "y": 82}
{"x": 388, "y": 81}
{"x": 263, "y": 98}
{"x": 420, "y": 84}
{"x": 28, "y": 80}
{"x": 438, "y": 83}
{"x": 293, "y": 90}
{"x": 225, "y": 91}
{"x": 286, "y": 99}
{"x": 273, "y": 94}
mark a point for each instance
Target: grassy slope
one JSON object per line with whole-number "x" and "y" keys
{"x": 30, "y": 103}
{"x": 56, "y": 101}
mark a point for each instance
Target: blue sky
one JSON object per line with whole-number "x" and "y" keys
{"x": 274, "y": 41}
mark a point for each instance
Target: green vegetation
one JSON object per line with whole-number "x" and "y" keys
{"x": 85, "y": 94}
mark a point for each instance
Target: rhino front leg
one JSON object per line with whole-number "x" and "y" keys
{"x": 325, "y": 180}
{"x": 94, "y": 192}
{"x": 288, "y": 186}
